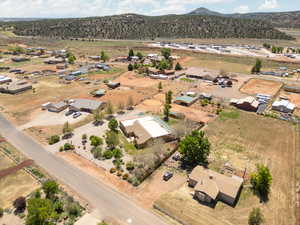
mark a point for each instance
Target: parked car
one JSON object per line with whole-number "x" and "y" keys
{"x": 76, "y": 115}
{"x": 69, "y": 113}
{"x": 167, "y": 176}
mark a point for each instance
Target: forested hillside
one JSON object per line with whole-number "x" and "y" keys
{"x": 277, "y": 19}
{"x": 131, "y": 26}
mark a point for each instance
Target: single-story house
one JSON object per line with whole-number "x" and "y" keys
{"x": 57, "y": 107}
{"x": 4, "y": 79}
{"x": 283, "y": 106}
{"x": 76, "y": 73}
{"x": 146, "y": 129}
{"x": 153, "y": 70}
{"x": 248, "y": 103}
{"x": 20, "y": 59}
{"x": 96, "y": 57}
{"x": 169, "y": 72}
{"x": 113, "y": 85}
{"x": 55, "y": 61}
{"x": 205, "y": 96}
{"x": 15, "y": 87}
{"x": 185, "y": 100}
{"x": 210, "y": 186}
{"x": 61, "y": 66}
{"x": 295, "y": 89}
{"x": 86, "y": 105}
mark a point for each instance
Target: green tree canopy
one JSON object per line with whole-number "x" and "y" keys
{"x": 40, "y": 212}
{"x": 261, "y": 181}
{"x": 96, "y": 141}
{"x": 131, "y": 53}
{"x": 257, "y": 67}
{"x": 104, "y": 56}
{"x": 195, "y": 148}
{"x": 140, "y": 55}
{"x": 113, "y": 125}
{"x": 130, "y": 67}
{"x": 178, "y": 66}
{"x": 255, "y": 217}
{"x": 111, "y": 139}
{"x": 166, "y": 52}
{"x": 50, "y": 188}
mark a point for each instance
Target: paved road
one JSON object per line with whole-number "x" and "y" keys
{"x": 107, "y": 201}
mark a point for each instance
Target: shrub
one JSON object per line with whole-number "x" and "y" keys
{"x": 68, "y": 146}
{"x": 125, "y": 176}
{"x": 53, "y": 139}
{"x": 108, "y": 154}
{"x": 61, "y": 148}
{"x": 113, "y": 170}
{"x": 74, "y": 210}
{"x": 117, "y": 153}
{"x": 97, "y": 152}
{"x": 1, "y": 212}
{"x": 130, "y": 165}
{"x": 255, "y": 217}
{"x": 96, "y": 141}
{"x": 119, "y": 173}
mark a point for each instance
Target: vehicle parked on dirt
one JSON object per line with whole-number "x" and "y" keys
{"x": 76, "y": 115}
{"x": 167, "y": 176}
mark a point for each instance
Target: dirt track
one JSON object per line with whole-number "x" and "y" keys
{"x": 15, "y": 169}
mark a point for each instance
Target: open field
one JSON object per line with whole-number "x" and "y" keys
{"x": 241, "y": 64}
{"x": 14, "y": 185}
{"x": 244, "y": 140}
{"x": 258, "y": 86}
{"x": 155, "y": 105}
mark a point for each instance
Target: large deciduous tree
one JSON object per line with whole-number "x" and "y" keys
{"x": 195, "y": 148}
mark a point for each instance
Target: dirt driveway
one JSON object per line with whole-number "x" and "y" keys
{"x": 46, "y": 118}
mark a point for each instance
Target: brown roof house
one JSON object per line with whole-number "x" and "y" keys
{"x": 210, "y": 186}
{"x": 248, "y": 103}
{"x": 145, "y": 129}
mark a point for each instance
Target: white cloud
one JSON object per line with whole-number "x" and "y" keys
{"x": 242, "y": 9}
{"x": 269, "y": 4}
{"x": 83, "y": 8}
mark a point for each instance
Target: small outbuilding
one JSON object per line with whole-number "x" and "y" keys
{"x": 283, "y": 106}
{"x": 185, "y": 100}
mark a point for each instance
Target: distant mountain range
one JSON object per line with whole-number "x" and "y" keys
{"x": 3, "y": 19}
{"x": 277, "y": 19}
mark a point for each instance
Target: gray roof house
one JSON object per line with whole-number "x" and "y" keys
{"x": 57, "y": 107}
{"x": 86, "y": 105}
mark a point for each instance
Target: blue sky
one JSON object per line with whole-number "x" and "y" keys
{"x": 84, "y": 8}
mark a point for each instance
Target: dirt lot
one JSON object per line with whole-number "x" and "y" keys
{"x": 258, "y": 86}
{"x": 15, "y": 185}
{"x": 132, "y": 80}
{"x": 155, "y": 105}
{"x": 122, "y": 95}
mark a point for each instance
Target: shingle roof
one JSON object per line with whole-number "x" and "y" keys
{"x": 211, "y": 182}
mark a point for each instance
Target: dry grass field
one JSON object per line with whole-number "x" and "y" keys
{"x": 245, "y": 139}
{"x": 14, "y": 185}
{"x": 258, "y": 86}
